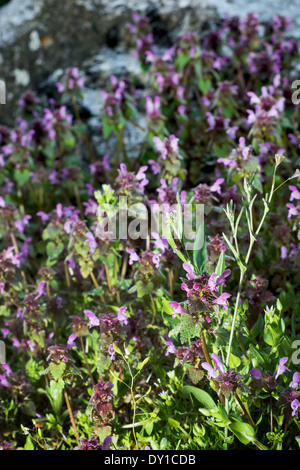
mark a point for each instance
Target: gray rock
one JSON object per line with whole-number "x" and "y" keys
{"x": 41, "y": 38}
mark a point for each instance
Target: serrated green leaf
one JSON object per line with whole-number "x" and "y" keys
{"x": 57, "y": 370}
{"x": 56, "y": 388}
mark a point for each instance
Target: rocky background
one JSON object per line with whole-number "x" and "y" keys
{"x": 39, "y": 39}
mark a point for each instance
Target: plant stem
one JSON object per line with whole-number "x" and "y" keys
{"x": 208, "y": 359}
{"x": 271, "y": 413}
{"x": 242, "y": 273}
{"x": 86, "y": 362}
{"x": 245, "y": 412}
{"x": 124, "y": 265}
{"x": 153, "y": 308}
{"x": 94, "y": 280}
{"x": 108, "y": 278}
{"x": 67, "y": 274}
{"x": 71, "y": 415}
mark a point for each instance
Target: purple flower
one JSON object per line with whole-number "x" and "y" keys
{"x": 171, "y": 348}
{"x": 160, "y": 147}
{"x": 216, "y": 187}
{"x": 40, "y": 289}
{"x": 5, "y": 332}
{"x": 43, "y": 216}
{"x": 295, "y": 194}
{"x": 93, "y": 320}
{"x": 121, "y": 315}
{"x": 155, "y": 167}
{"x": 190, "y": 273}
{"x": 20, "y": 224}
{"x": 218, "y": 362}
{"x": 212, "y": 373}
{"x": 177, "y": 308}
{"x": 91, "y": 241}
{"x": 283, "y": 252}
{"x": 71, "y": 340}
{"x": 256, "y": 374}
{"x": 132, "y": 256}
{"x": 215, "y": 280}
{"x": 292, "y": 210}
{"x": 153, "y": 107}
{"x": 296, "y": 379}
{"x": 281, "y": 367}
{"x": 295, "y": 405}
{"x": 112, "y": 352}
{"x": 222, "y": 300}
{"x": 106, "y": 443}
{"x": 160, "y": 242}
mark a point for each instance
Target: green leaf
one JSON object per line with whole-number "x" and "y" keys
{"x": 144, "y": 289}
{"x": 200, "y": 255}
{"x": 234, "y": 361}
{"x": 257, "y": 327}
{"x": 203, "y": 397}
{"x": 22, "y": 176}
{"x": 173, "y": 423}
{"x": 57, "y": 370}
{"x": 220, "y": 268}
{"x": 117, "y": 349}
{"x": 107, "y": 128}
{"x": 189, "y": 328}
{"x": 204, "y": 85}
{"x": 141, "y": 365}
{"x": 243, "y": 431}
{"x": 166, "y": 307}
{"x": 179, "y": 218}
{"x": 257, "y": 354}
{"x": 53, "y": 251}
{"x": 56, "y": 388}
{"x": 29, "y": 444}
{"x": 69, "y": 139}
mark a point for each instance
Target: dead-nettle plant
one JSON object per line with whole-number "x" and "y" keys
{"x": 247, "y": 210}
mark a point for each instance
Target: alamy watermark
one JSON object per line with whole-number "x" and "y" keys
{"x": 296, "y": 354}
{"x": 2, "y": 92}
{"x": 296, "y": 94}
{"x": 184, "y": 223}
{"x": 2, "y": 353}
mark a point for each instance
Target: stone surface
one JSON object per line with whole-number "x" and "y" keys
{"x": 39, "y": 39}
